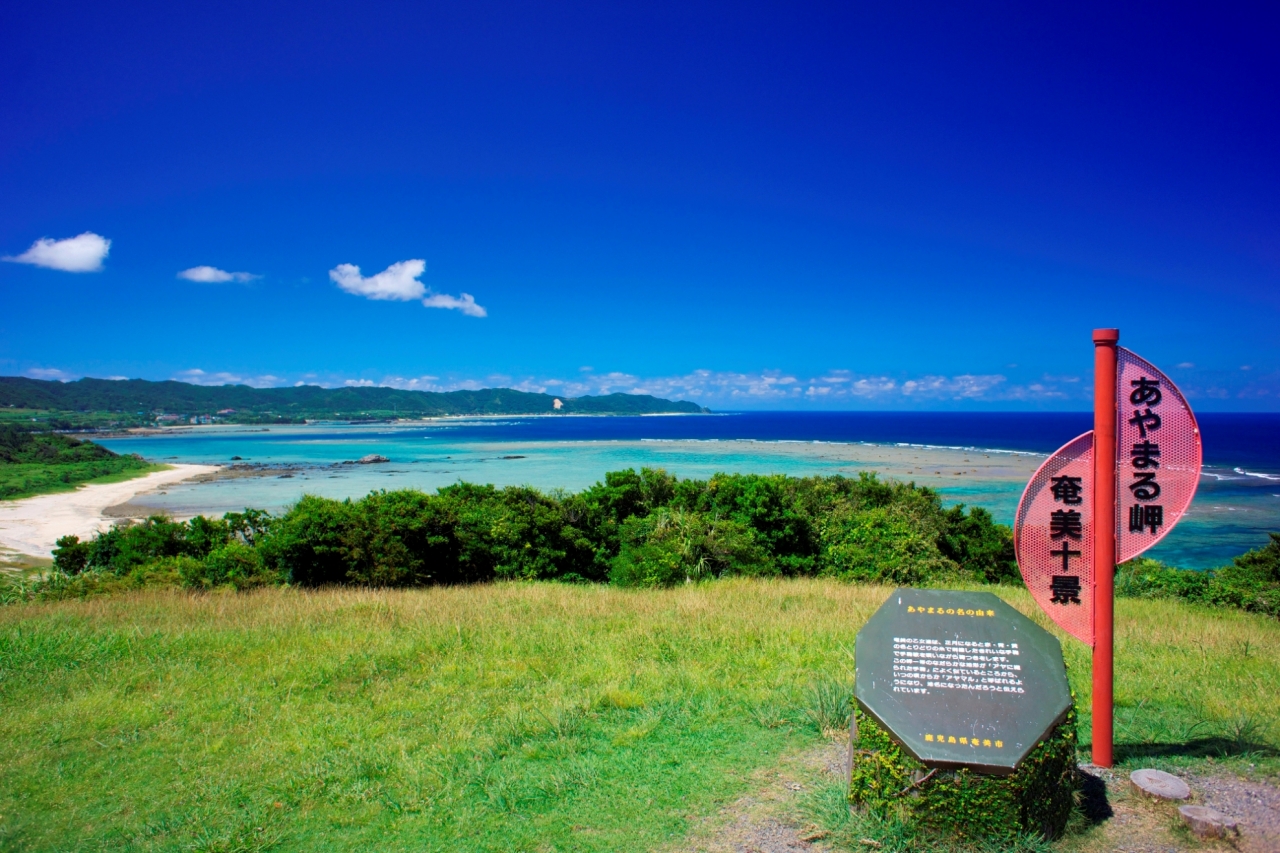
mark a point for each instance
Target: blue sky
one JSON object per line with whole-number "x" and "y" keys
{"x": 748, "y": 205}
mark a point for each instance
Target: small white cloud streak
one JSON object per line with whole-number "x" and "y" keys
{"x": 964, "y": 387}
{"x": 724, "y": 388}
{"x": 465, "y": 303}
{"x": 213, "y": 275}
{"x": 399, "y": 282}
{"x": 82, "y": 253}
{"x": 196, "y": 376}
{"x": 50, "y": 373}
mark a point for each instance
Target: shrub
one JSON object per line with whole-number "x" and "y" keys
{"x": 60, "y": 586}
{"x": 516, "y": 533}
{"x": 895, "y": 545}
{"x": 311, "y": 545}
{"x": 71, "y": 557}
{"x": 769, "y": 505}
{"x": 127, "y": 545}
{"x": 233, "y": 564}
{"x": 598, "y": 512}
{"x": 1251, "y": 582}
{"x": 405, "y": 538}
{"x": 672, "y": 546}
{"x": 250, "y": 525}
{"x": 204, "y": 534}
{"x": 981, "y": 548}
{"x": 1144, "y": 577}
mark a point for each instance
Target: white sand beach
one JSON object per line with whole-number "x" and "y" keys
{"x": 32, "y": 525}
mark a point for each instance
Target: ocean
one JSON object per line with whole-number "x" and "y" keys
{"x": 980, "y": 459}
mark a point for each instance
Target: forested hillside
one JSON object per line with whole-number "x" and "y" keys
{"x": 33, "y": 463}
{"x": 140, "y": 400}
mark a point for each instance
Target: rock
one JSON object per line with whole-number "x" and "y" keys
{"x": 235, "y": 458}
{"x": 371, "y": 459}
{"x": 1208, "y": 823}
{"x": 1158, "y": 784}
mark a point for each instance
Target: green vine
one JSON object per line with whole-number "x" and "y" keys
{"x": 1037, "y": 798}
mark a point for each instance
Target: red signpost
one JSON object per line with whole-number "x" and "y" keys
{"x": 1104, "y": 497}
{"x": 1104, "y": 537}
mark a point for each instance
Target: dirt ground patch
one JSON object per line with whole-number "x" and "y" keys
{"x": 768, "y": 820}
{"x": 772, "y": 819}
{"x": 1252, "y": 802}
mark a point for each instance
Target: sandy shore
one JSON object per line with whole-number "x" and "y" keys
{"x": 32, "y": 525}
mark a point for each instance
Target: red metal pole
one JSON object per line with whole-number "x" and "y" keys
{"x": 1104, "y": 538}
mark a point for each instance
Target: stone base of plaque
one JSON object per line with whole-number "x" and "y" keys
{"x": 1036, "y": 799}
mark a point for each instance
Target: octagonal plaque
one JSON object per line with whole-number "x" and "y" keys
{"x": 960, "y": 679}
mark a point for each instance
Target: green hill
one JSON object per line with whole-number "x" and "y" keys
{"x": 36, "y": 463}
{"x": 140, "y": 400}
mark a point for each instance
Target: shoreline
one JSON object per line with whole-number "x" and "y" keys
{"x": 31, "y": 526}
{"x": 389, "y": 422}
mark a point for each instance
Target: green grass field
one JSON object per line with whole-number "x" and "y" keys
{"x": 500, "y": 717}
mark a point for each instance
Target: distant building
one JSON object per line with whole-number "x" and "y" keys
{"x": 226, "y": 411}
{"x": 556, "y": 404}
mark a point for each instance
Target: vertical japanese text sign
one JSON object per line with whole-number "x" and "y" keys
{"x": 1158, "y": 456}
{"x": 1053, "y": 537}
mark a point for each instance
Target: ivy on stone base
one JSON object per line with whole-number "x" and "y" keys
{"x": 1036, "y": 799}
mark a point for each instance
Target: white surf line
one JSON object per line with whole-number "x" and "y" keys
{"x": 1254, "y": 474}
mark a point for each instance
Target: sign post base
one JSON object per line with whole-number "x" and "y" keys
{"x": 1037, "y": 798}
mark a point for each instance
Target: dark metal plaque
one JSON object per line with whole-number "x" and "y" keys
{"x": 960, "y": 679}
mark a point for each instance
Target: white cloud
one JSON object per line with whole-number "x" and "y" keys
{"x": 83, "y": 253}
{"x": 834, "y": 388}
{"x": 874, "y": 387}
{"x": 955, "y": 387}
{"x": 1186, "y": 365}
{"x": 50, "y": 373}
{"x": 213, "y": 275}
{"x": 196, "y": 376}
{"x": 831, "y": 389}
{"x": 399, "y": 282}
{"x": 465, "y": 303}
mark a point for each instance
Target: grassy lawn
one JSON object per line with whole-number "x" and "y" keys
{"x": 499, "y": 717}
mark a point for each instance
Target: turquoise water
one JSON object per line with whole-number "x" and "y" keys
{"x": 1231, "y": 514}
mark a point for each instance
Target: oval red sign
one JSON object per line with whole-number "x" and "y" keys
{"x": 1158, "y": 455}
{"x": 1053, "y": 537}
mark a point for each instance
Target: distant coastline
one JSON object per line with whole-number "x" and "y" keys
{"x": 98, "y": 404}
{"x": 401, "y": 423}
